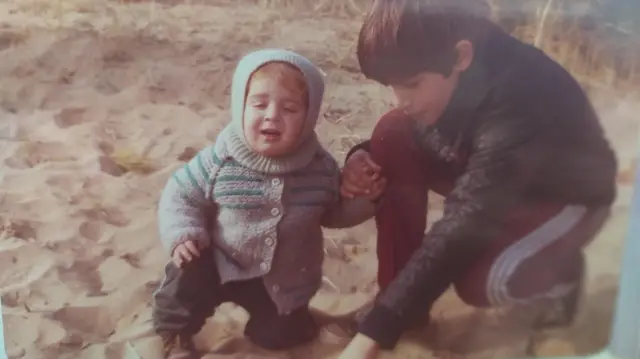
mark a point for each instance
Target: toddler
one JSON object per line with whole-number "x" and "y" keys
{"x": 242, "y": 219}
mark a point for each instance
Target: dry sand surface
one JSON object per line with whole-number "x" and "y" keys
{"x": 99, "y": 103}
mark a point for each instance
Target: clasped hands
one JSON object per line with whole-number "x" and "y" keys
{"x": 361, "y": 176}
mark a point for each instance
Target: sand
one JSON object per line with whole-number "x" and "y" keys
{"x": 101, "y": 101}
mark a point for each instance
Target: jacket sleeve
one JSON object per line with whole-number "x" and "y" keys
{"x": 346, "y": 213}
{"x": 365, "y": 145}
{"x": 503, "y": 156}
{"x": 185, "y": 205}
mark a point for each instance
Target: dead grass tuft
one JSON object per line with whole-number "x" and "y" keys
{"x": 336, "y": 8}
{"x": 130, "y": 161}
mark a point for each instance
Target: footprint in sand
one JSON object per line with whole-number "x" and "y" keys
{"x": 110, "y": 215}
{"x": 91, "y": 230}
{"x": 86, "y": 320}
{"x": 114, "y": 77}
{"x": 110, "y": 82}
{"x": 18, "y": 228}
{"x": 71, "y": 116}
{"x": 10, "y": 39}
{"x": 83, "y": 275}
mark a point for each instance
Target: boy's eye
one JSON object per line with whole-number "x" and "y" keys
{"x": 411, "y": 84}
{"x": 259, "y": 105}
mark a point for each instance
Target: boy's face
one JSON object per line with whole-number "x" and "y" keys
{"x": 426, "y": 95}
{"x": 273, "y": 116}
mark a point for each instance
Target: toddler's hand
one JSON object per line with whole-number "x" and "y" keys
{"x": 185, "y": 252}
{"x": 376, "y": 189}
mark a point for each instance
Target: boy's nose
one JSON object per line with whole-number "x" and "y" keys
{"x": 402, "y": 104}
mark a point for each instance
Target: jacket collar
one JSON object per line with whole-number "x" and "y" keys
{"x": 466, "y": 98}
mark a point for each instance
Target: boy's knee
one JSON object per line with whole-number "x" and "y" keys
{"x": 393, "y": 135}
{"x": 394, "y": 125}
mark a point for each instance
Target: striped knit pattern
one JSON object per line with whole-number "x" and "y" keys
{"x": 261, "y": 224}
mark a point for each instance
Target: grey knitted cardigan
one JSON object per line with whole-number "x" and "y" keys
{"x": 262, "y": 215}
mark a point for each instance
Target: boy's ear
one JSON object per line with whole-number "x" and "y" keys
{"x": 464, "y": 48}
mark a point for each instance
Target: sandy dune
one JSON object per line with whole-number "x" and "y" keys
{"x": 99, "y": 103}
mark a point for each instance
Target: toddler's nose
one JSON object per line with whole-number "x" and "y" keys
{"x": 272, "y": 113}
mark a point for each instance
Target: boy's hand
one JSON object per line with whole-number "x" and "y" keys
{"x": 360, "y": 176}
{"x": 360, "y": 347}
{"x": 185, "y": 252}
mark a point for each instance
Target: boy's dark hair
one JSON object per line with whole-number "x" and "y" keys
{"x": 400, "y": 38}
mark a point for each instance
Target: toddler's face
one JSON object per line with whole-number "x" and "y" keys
{"x": 274, "y": 115}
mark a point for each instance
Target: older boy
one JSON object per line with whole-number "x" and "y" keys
{"x": 511, "y": 140}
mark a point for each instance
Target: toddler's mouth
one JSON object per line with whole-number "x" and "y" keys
{"x": 270, "y": 134}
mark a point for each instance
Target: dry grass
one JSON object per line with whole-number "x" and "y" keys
{"x": 130, "y": 161}
{"x": 599, "y": 57}
{"x": 340, "y": 8}
{"x": 575, "y": 38}
{"x": 584, "y": 47}
{"x": 578, "y": 37}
